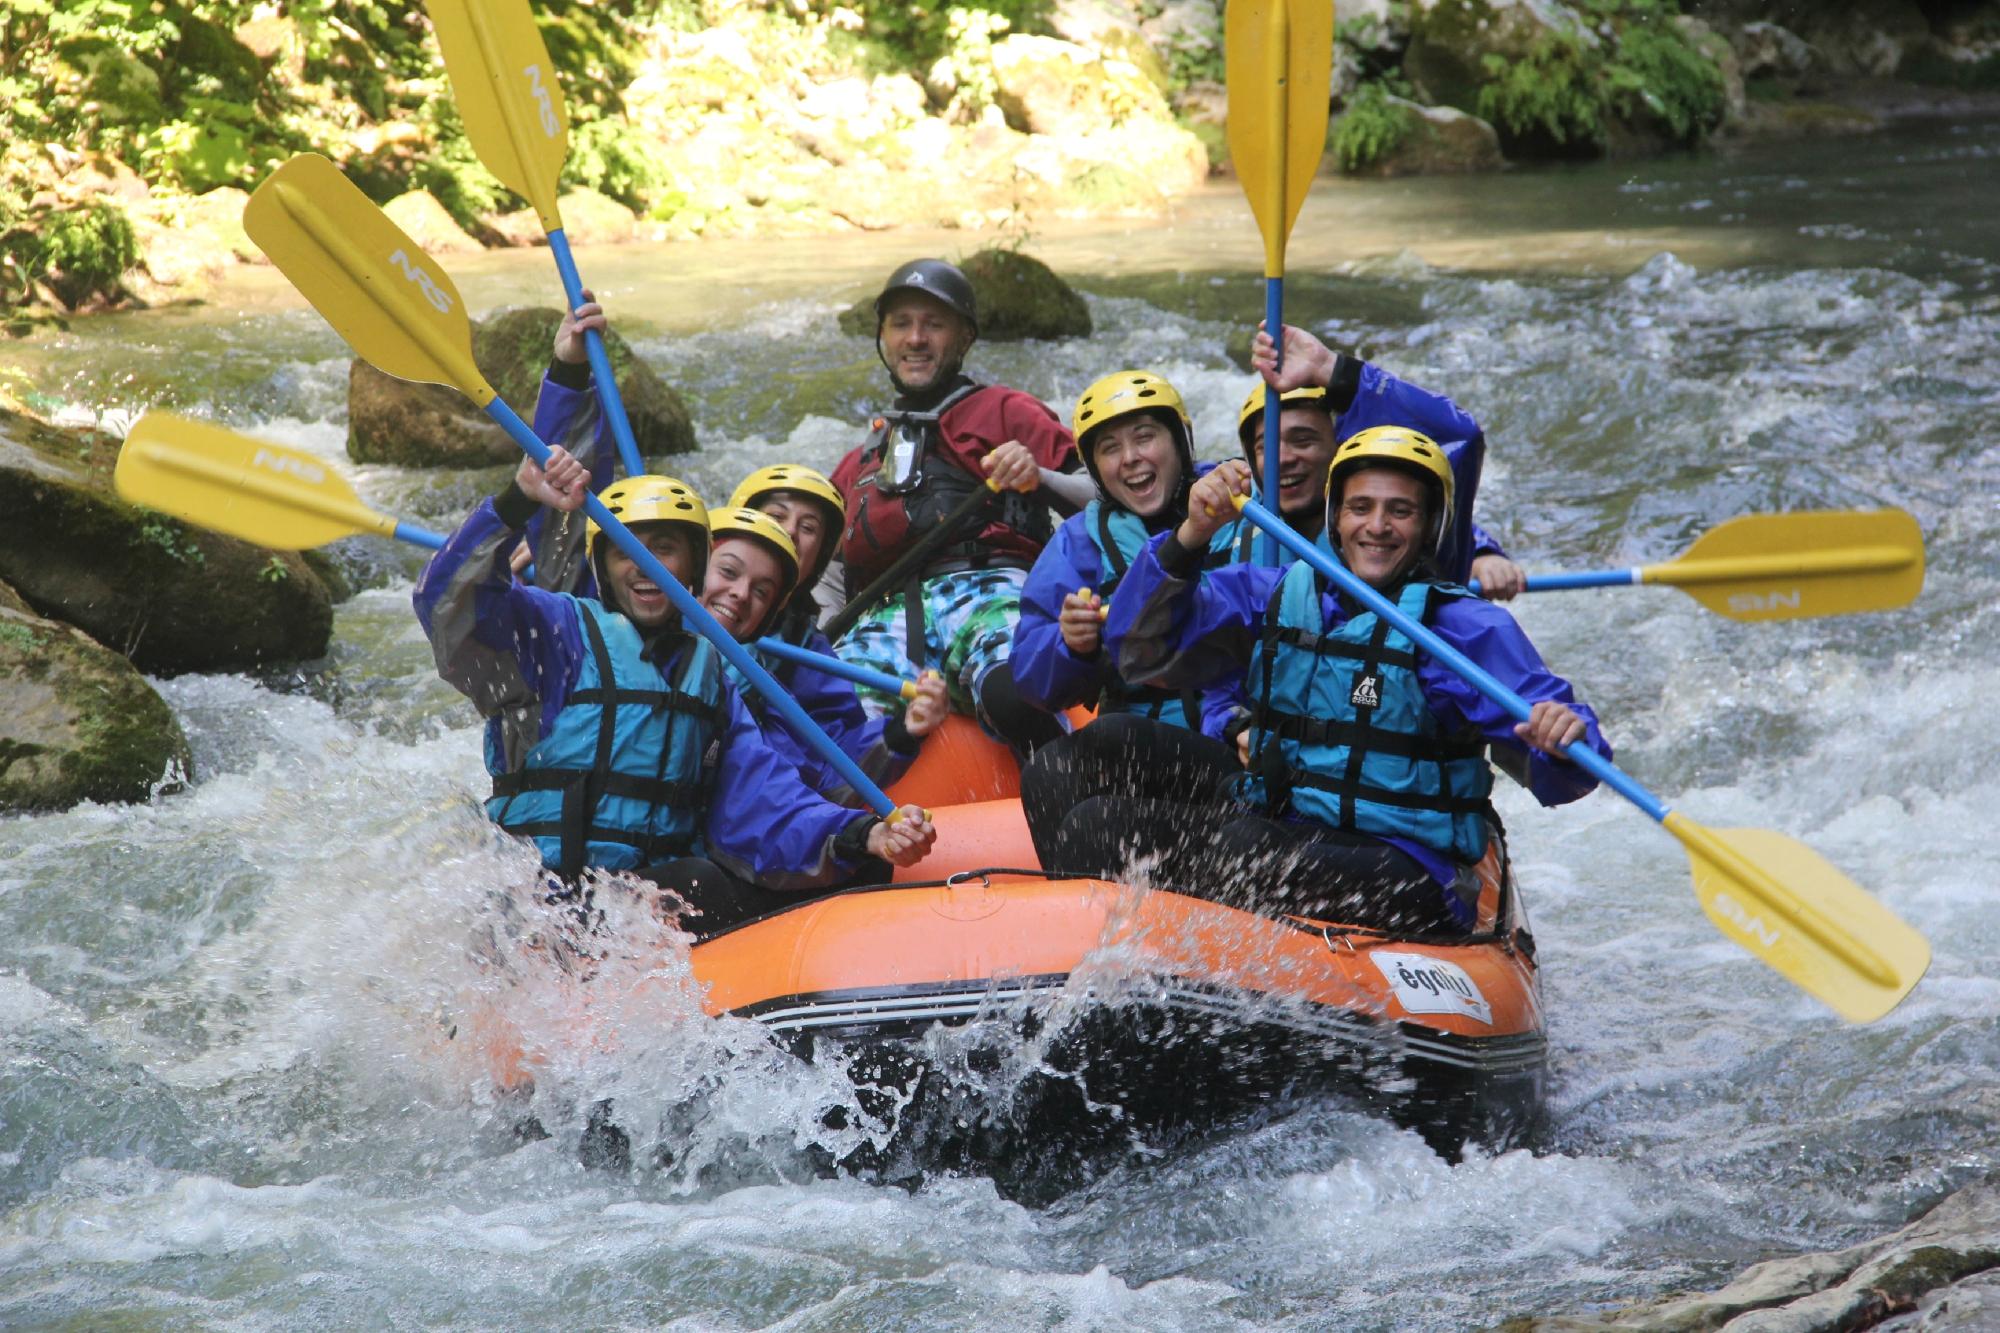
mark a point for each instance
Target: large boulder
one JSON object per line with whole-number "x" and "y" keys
{"x": 427, "y": 425}
{"x": 1450, "y": 41}
{"x": 82, "y": 724}
{"x": 1427, "y": 140}
{"x": 1049, "y": 86}
{"x": 1110, "y": 28}
{"x": 1557, "y": 83}
{"x": 430, "y": 224}
{"x": 1018, "y": 297}
{"x": 171, "y": 597}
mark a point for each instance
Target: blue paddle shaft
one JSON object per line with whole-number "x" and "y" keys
{"x": 416, "y": 536}
{"x": 703, "y": 623}
{"x": 1589, "y": 578}
{"x": 1582, "y": 756}
{"x": 600, "y": 360}
{"x": 1274, "y": 323}
{"x": 832, "y": 666}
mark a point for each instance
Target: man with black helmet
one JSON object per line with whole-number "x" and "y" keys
{"x": 942, "y": 440}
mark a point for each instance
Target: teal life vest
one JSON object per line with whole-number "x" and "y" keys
{"x": 1119, "y": 535}
{"x": 623, "y": 778}
{"x": 1341, "y": 732}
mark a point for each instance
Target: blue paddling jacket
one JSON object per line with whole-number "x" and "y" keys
{"x": 879, "y": 746}
{"x": 1174, "y": 625}
{"x": 524, "y": 655}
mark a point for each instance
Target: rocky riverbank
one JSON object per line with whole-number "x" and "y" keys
{"x": 731, "y": 117}
{"x": 1940, "y": 1272}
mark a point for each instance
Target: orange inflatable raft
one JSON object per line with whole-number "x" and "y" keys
{"x": 1029, "y": 1027}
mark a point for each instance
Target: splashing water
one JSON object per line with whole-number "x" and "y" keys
{"x": 246, "y": 1080}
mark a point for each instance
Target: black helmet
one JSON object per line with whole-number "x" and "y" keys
{"x": 934, "y": 278}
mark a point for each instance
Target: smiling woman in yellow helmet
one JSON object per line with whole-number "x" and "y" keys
{"x": 800, "y": 506}
{"x": 1328, "y": 396}
{"x": 1133, "y": 431}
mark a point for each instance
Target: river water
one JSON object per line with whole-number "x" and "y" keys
{"x": 228, "y": 1098}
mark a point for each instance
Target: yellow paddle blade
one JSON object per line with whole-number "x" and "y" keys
{"x": 264, "y": 493}
{"x": 507, "y": 94}
{"x": 1814, "y": 926}
{"x": 389, "y": 299}
{"x": 1278, "y": 59}
{"x": 1787, "y": 566}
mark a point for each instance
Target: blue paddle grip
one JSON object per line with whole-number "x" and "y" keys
{"x": 600, "y": 360}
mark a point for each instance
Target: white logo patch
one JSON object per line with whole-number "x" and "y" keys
{"x": 1427, "y": 985}
{"x": 1366, "y": 694}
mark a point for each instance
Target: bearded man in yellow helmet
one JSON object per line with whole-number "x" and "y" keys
{"x": 1326, "y": 397}
{"x": 752, "y": 580}
{"x": 1365, "y": 799}
{"x": 614, "y": 739}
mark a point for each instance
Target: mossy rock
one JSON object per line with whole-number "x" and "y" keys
{"x": 1414, "y": 140}
{"x": 1019, "y": 297}
{"x": 82, "y": 723}
{"x": 171, "y": 597}
{"x": 427, "y": 425}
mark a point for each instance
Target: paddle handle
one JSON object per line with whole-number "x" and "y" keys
{"x": 834, "y": 666}
{"x": 600, "y": 360}
{"x": 1274, "y": 319}
{"x": 1582, "y": 756}
{"x": 1589, "y": 578}
{"x": 704, "y": 624}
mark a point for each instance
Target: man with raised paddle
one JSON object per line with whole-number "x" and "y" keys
{"x": 1329, "y": 396}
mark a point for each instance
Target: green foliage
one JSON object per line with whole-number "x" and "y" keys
{"x": 918, "y": 33}
{"x": 610, "y": 156}
{"x": 1369, "y": 129}
{"x": 274, "y": 571}
{"x": 1555, "y": 91}
{"x": 19, "y": 638}
{"x": 80, "y": 252}
{"x": 1569, "y": 90}
{"x": 171, "y": 537}
{"x": 1681, "y": 85}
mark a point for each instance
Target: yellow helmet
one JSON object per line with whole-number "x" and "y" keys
{"x": 1403, "y": 449}
{"x": 651, "y": 499}
{"x": 759, "y": 526}
{"x": 1252, "y": 411}
{"x": 799, "y": 481}
{"x": 1125, "y": 393}
{"x": 787, "y": 477}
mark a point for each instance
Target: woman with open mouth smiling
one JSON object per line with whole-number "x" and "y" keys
{"x": 1133, "y": 431}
